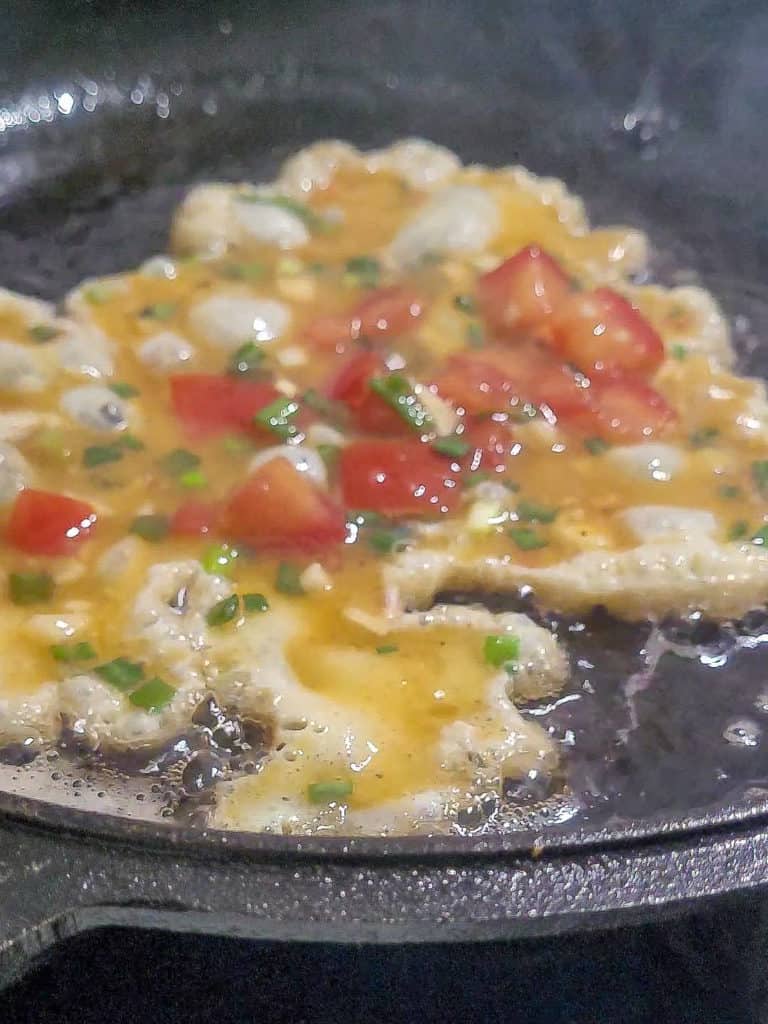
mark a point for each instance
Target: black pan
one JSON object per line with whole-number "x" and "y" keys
{"x": 648, "y": 112}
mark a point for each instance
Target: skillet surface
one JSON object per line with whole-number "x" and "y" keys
{"x": 651, "y": 125}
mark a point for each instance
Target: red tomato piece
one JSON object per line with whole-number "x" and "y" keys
{"x": 523, "y": 291}
{"x": 279, "y": 509}
{"x": 383, "y": 314}
{"x": 208, "y": 404}
{"x": 626, "y": 408}
{"x": 351, "y": 386}
{"x": 490, "y": 447}
{"x": 43, "y": 523}
{"x": 195, "y": 519}
{"x": 397, "y": 478}
{"x": 601, "y": 331}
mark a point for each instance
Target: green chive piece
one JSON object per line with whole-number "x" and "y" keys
{"x": 97, "y": 294}
{"x": 532, "y": 512}
{"x": 43, "y": 332}
{"x": 194, "y": 479}
{"x": 121, "y": 673}
{"x": 247, "y": 360}
{"x": 150, "y": 527}
{"x": 223, "y": 611}
{"x": 217, "y": 559}
{"x": 387, "y": 649}
{"x": 703, "y": 437}
{"x": 278, "y": 418}
{"x": 329, "y": 453}
{"x": 397, "y": 392}
{"x": 179, "y": 461}
{"x": 314, "y": 221}
{"x": 67, "y": 653}
{"x": 761, "y": 536}
{"x": 475, "y": 335}
{"x": 363, "y": 517}
{"x": 738, "y": 530}
{"x": 453, "y": 446}
{"x": 30, "y": 587}
{"x": 365, "y": 270}
{"x": 596, "y": 445}
{"x": 679, "y": 352}
{"x": 243, "y": 271}
{"x": 131, "y": 442}
{"x": 255, "y": 603}
{"x": 101, "y": 454}
{"x": 760, "y": 475}
{"x": 288, "y": 580}
{"x": 236, "y": 445}
{"x": 499, "y": 648}
{"x": 526, "y": 538}
{"x": 124, "y": 390}
{"x": 153, "y": 695}
{"x": 328, "y": 792}
{"x": 729, "y": 491}
{"x": 159, "y": 311}
{"x": 465, "y": 304}
{"x": 384, "y": 542}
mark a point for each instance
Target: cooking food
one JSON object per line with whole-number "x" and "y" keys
{"x": 240, "y": 483}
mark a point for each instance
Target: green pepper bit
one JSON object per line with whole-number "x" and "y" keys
{"x": 151, "y": 527}
{"x": 255, "y": 603}
{"x": 328, "y": 792}
{"x": 121, "y": 673}
{"x": 67, "y": 653}
{"x": 153, "y": 695}
{"x": 500, "y": 648}
{"x": 218, "y": 559}
{"x": 30, "y": 587}
{"x": 223, "y": 611}
{"x": 526, "y": 538}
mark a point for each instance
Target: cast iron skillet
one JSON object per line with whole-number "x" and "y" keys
{"x": 105, "y": 117}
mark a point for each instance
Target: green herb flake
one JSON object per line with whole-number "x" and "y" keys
{"x": 738, "y": 530}
{"x": 397, "y": 393}
{"x": 43, "y": 332}
{"x": 288, "y": 580}
{"x": 278, "y": 418}
{"x": 153, "y": 695}
{"x": 68, "y": 653}
{"x": 387, "y": 649}
{"x": 179, "y": 461}
{"x": 526, "y": 538}
{"x": 475, "y": 335}
{"x": 131, "y": 443}
{"x": 193, "y": 479}
{"x": 499, "y": 648}
{"x": 465, "y": 304}
{"x": 532, "y": 512}
{"x": 159, "y": 311}
{"x": 124, "y": 390}
{"x": 328, "y": 792}
{"x": 121, "y": 673}
{"x": 729, "y": 491}
{"x": 703, "y": 437}
{"x": 101, "y": 454}
{"x": 218, "y": 559}
{"x": 364, "y": 270}
{"x": 150, "y": 527}
{"x": 596, "y": 445}
{"x": 760, "y": 475}
{"x": 247, "y": 361}
{"x": 453, "y": 447}
{"x": 679, "y": 352}
{"x": 255, "y": 603}
{"x": 243, "y": 271}
{"x": 384, "y": 542}
{"x": 313, "y": 220}
{"x": 223, "y": 611}
{"x": 30, "y": 587}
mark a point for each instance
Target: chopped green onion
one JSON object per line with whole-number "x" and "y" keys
{"x": 243, "y": 271}
{"x": 738, "y": 530}
{"x": 384, "y": 542}
{"x": 679, "y": 352}
{"x": 465, "y": 303}
{"x": 314, "y": 221}
{"x": 288, "y": 580}
{"x": 101, "y": 454}
{"x": 532, "y": 512}
{"x": 97, "y": 294}
{"x": 43, "y": 332}
{"x": 217, "y": 559}
{"x": 363, "y": 517}
{"x": 194, "y": 479}
{"x": 131, "y": 442}
{"x": 761, "y": 536}
{"x": 730, "y": 491}
{"x": 499, "y": 648}
{"x": 475, "y": 335}
{"x": 159, "y": 311}
{"x": 255, "y": 603}
{"x": 278, "y": 417}
{"x": 452, "y": 446}
{"x": 365, "y": 270}
{"x": 329, "y": 453}
{"x": 703, "y": 437}
{"x": 223, "y": 611}
{"x": 387, "y": 649}
{"x": 150, "y": 527}
{"x": 124, "y": 390}
{"x": 30, "y": 587}
{"x": 81, "y": 651}
{"x": 153, "y": 695}
{"x": 179, "y": 461}
{"x": 247, "y": 360}
{"x": 526, "y": 538}
{"x": 397, "y": 393}
{"x": 121, "y": 673}
{"x": 596, "y": 445}
{"x": 328, "y": 792}
{"x": 760, "y": 475}
{"x": 237, "y": 445}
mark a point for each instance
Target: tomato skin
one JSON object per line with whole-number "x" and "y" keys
{"x": 601, "y": 332}
{"x": 195, "y": 519}
{"x": 398, "y": 478}
{"x": 40, "y": 521}
{"x": 351, "y": 386}
{"x": 625, "y": 408}
{"x": 523, "y": 292}
{"x": 279, "y": 509}
{"x": 490, "y": 447}
{"x": 209, "y": 404}
{"x": 384, "y": 313}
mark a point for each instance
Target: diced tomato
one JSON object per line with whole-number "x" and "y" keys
{"x": 625, "y": 408}
{"x": 523, "y": 292}
{"x": 208, "y": 404}
{"x": 351, "y": 386}
{"x": 397, "y": 478}
{"x": 490, "y": 446}
{"x": 280, "y": 509}
{"x": 383, "y": 314}
{"x": 195, "y": 519}
{"x": 601, "y": 331}
{"x": 43, "y": 523}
